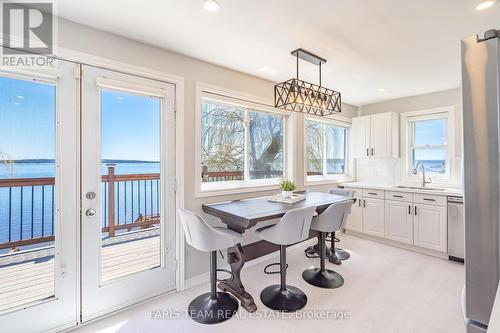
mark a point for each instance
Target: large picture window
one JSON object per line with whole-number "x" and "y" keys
{"x": 240, "y": 144}
{"x": 326, "y": 149}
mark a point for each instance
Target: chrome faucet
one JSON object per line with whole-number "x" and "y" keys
{"x": 415, "y": 171}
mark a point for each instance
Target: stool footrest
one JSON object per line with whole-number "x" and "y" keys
{"x": 225, "y": 271}
{"x": 273, "y": 272}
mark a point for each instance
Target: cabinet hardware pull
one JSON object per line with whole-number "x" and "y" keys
{"x": 359, "y": 202}
{"x": 364, "y": 203}
{"x": 373, "y": 151}
{"x": 427, "y": 199}
{"x": 367, "y": 152}
{"x": 372, "y": 193}
{"x": 397, "y": 196}
{"x": 415, "y": 210}
{"x": 409, "y": 209}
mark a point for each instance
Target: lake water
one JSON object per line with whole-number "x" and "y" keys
{"x": 33, "y": 206}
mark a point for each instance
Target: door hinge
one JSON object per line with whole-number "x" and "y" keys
{"x": 63, "y": 271}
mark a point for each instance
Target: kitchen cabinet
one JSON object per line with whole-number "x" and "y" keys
{"x": 399, "y": 221}
{"x": 430, "y": 227}
{"x": 376, "y": 135}
{"x": 373, "y": 217}
{"x": 355, "y": 219}
{"x": 361, "y": 136}
{"x": 416, "y": 219}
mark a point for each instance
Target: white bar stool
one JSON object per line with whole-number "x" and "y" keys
{"x": 292, "y": 228}
{"x": 213, "y": 307}
{"x": 331, "y": 220}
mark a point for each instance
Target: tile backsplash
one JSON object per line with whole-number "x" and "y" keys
{"x": 381, "y": 171}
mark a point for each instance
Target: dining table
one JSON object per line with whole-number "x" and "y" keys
{"x": 241, "y": 215}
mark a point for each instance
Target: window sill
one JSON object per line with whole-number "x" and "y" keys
{"x": 333, "y": 179}
{"x": 237, "y": 187}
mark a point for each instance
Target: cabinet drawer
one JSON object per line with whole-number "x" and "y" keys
{"x": 367, "y": 193}
{"x": 429, "y": 199}
{"x": 399, "y": 196}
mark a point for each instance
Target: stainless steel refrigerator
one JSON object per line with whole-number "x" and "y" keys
{"x": 481, "y": 116}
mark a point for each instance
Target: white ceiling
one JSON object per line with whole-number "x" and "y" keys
{"x": 407, "y": 47}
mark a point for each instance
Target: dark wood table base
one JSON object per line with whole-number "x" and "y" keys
{"x": 233, "y": 285}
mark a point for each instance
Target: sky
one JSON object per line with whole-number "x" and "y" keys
{"x": 130, "y": 123}
{"x": 430, "y": 132}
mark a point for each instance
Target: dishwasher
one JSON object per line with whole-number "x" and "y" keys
{"x": 456, "y": 229}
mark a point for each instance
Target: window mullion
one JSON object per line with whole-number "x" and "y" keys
{"x": 246, "y": 168}
{"x": 323, "y": 131}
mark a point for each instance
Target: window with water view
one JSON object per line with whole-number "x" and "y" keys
{"x": 428, "y": 145}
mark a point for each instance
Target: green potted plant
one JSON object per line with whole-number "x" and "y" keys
{"x": 287, "y": 187}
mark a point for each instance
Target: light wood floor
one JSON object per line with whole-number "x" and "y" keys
{"x": 32, "y": 278}
{"x": 387, "y": 289}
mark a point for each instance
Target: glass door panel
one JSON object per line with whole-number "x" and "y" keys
{"x": 37, "y": 223}
{"x": 128, "y": 223}
{"x": 130, "y": 173}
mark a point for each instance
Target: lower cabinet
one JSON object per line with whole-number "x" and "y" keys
{"x": 415, "y": 219}
{"x": 399, "y": 221}
{"x": 355, "y": 219}
{"x": 430, "y": 227}
{"x": 373, "y": 217}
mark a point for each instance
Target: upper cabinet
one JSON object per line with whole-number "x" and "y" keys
{"x": 376, "y": 135}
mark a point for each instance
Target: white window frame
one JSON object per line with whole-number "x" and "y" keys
{"x": 407, "y": 134}
{"x": 226, "y": 96}
{"x": 339, "y": 121}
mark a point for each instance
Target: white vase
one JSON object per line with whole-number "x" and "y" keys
{"x": 286, "y": 194}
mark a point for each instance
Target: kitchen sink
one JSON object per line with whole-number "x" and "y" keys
{"x": 421, "y": 188}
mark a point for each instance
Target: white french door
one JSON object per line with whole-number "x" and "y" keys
{"x": 128, "y": 198}
{"x": 39, "y": 194}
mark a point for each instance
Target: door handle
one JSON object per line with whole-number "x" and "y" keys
{"x": 90, "y": 212}
{"x": 409, "y": 209}
{"x": 367, "y": 152}
{"x": 415, "y": 210}
{"x": 364, "y": 203}
{"x": 373, "y": 151}
{"x": 359, "y": 202}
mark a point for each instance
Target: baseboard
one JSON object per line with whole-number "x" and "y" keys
{"x": 205, "y": 277}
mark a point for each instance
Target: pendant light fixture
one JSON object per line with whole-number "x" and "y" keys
{"x": 301, "y": 96}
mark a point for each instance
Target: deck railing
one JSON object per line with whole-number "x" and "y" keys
{"x": 217, "y": 176}
{"x": 128, "y": 201}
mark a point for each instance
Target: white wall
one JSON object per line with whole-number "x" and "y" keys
{"x": 87, "y": 40}
{"x": 388, "y": 171}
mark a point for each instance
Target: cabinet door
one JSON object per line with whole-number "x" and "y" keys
{"x": 373, "y": 217}
{"x": 361, "y": 136}
{"x": 430, "y": 227}
{"x": 381, "y": 135}
{"x": 355, "y": 219}
{"x": 399, "y": 221}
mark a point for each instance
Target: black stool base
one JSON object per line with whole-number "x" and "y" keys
{"x": 342, "y": 254}
{"x": 291, "y": 299}
{"x": 205, "y": 310}
{"x": 323, "y": 279}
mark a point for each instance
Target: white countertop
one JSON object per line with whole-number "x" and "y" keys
{"x": 446, "y": 192}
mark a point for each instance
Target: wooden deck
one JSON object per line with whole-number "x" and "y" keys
{"x": 29, "y": 277}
